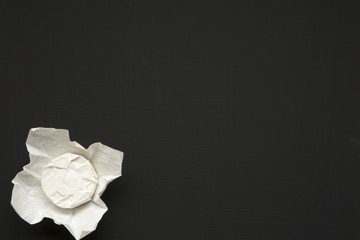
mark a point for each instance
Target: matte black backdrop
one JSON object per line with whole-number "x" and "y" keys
{"x": 239, "y": 120}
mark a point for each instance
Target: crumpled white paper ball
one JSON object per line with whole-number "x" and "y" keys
{"x": 64, "y": 181}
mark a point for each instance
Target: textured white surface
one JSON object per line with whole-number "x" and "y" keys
{"x": 69, "y": 180}
{"x": 64, "y": 181}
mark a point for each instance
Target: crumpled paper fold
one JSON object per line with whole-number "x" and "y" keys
{"x": 64, "y": 181}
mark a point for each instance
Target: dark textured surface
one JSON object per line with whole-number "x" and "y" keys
{"x": 238, "y": 120}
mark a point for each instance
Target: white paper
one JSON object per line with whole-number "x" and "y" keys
{"x": 64, "y": 181}
{"x": 69, "y": 180}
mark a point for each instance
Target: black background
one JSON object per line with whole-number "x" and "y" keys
{"x": 239, "y": 120}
